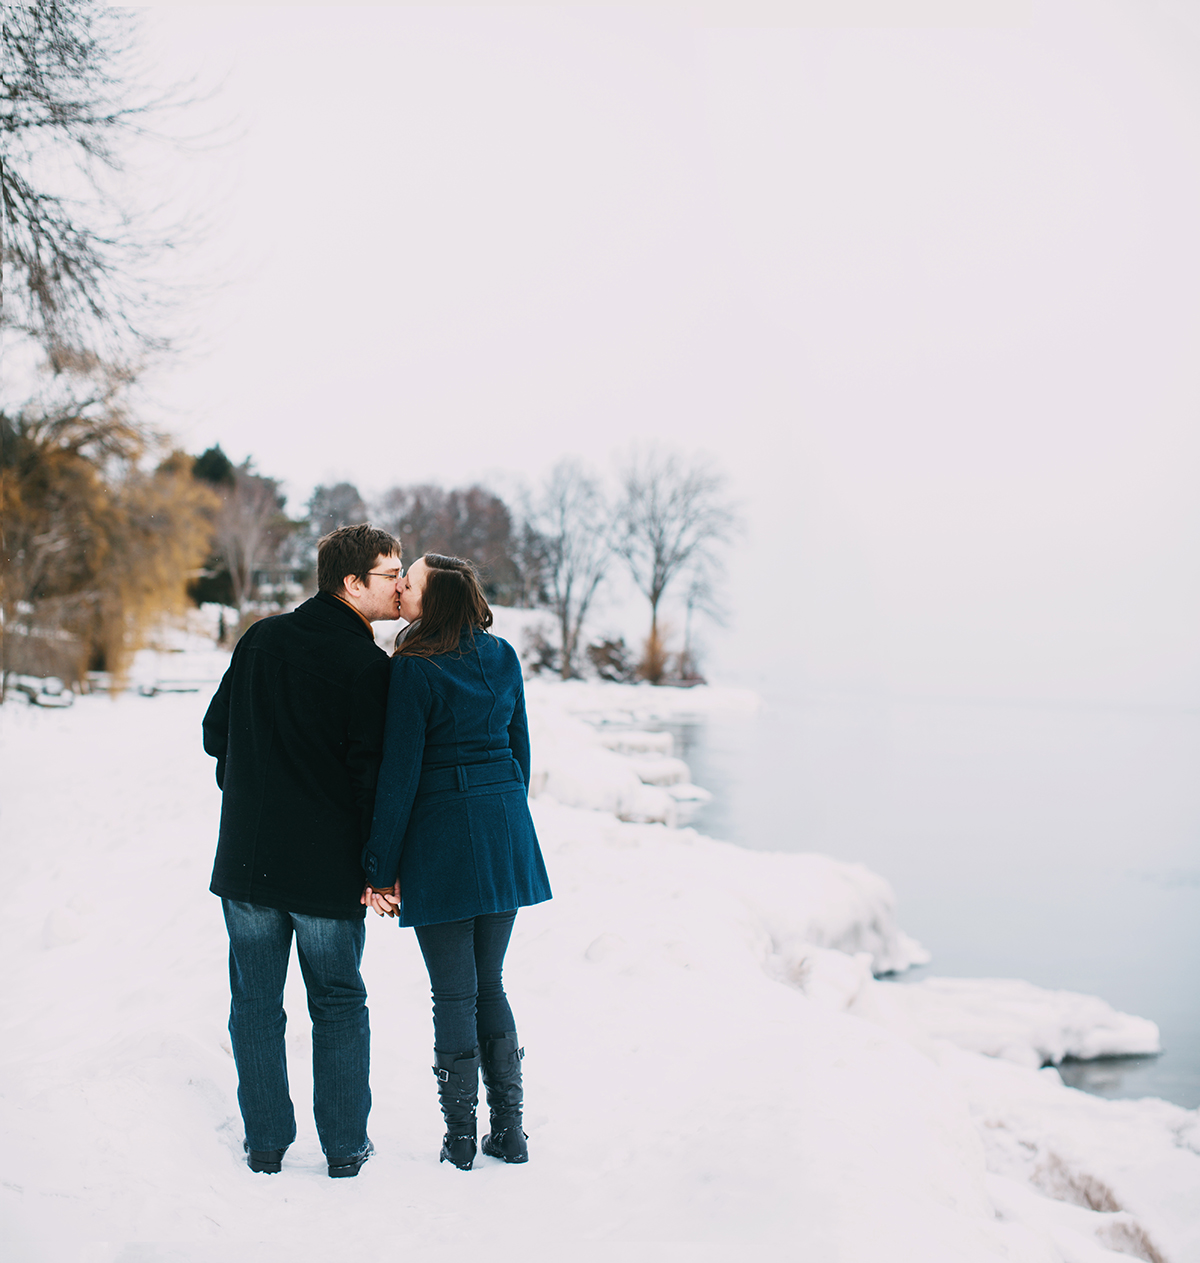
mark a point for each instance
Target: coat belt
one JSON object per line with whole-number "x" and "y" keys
{"x": 466, "y": 776}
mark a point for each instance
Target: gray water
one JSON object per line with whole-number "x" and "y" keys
{"x": 1054, "y": 844}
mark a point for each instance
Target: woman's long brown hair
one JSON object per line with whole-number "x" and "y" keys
{"x": 453, "y": 599}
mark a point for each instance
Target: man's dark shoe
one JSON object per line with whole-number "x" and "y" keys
{"x": 267, "y": 1161}
{"x": 344, "y": 1168}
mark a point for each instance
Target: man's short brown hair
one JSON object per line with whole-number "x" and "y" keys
{"x": 351, "y": 550}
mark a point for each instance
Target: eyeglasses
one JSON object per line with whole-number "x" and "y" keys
{"x": 387, "y": 574}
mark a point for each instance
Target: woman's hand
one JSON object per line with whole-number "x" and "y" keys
{"x": 385, "y": 902}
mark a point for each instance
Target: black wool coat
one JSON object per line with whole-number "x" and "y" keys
{"x": 296, "y": 727}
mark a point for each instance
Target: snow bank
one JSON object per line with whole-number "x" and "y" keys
{"x": 632, "y": 704}
{"x": 712, "y": 1072}
{"x": 1134, "y": 1165}
{"x": 587, "y": 752}
{"x": 1119, "y": 1175}
{"x": 1022, "y": 1023}
{"x": 573, "y": 767}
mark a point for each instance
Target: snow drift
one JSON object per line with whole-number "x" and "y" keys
{"x": 714, "y": 1071}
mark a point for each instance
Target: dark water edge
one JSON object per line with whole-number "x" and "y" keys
{"x": 1057, "y": 845}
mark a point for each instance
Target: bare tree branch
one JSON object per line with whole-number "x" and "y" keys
{"x": 575, "y": 525}
{"x": 70, "y": 249}
{"x": 673, "y": 513}
{"x": 469, "y": 522}
{"x": 250, "y": 528}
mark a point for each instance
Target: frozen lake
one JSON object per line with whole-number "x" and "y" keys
{"x": 1059, "y": 845}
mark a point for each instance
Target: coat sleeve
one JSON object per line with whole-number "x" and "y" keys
{"x": 364, "y": 737}
{"x": 518, "y": 736}
{"x": 408, "y": 705}
{"x": 215, "y": 725}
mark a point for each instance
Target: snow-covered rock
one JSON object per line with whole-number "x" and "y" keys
{"x": 657, "y": 769}
{"x": 586, "y": 752}
{"x": 636, "y": 741}
{"x": 1022, "y": 1023}
{"x": 570, "y": 766}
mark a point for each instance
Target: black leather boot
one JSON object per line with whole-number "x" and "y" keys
{"x": 458, "y": 1089}
{"x": 501, "y": 1059}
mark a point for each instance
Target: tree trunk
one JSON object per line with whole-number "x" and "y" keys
{"x": 654, "y": 658}
{"x": 567, "y": 650}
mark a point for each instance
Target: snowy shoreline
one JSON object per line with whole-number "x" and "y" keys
{"x": 713, "y": 1063}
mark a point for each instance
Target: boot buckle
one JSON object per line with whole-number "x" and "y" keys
{"x": 440, "y": 1074}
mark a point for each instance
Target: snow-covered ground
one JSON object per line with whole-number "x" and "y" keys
{"x": 714, "y": 1070}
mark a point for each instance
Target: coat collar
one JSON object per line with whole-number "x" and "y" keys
{"x": 366, "y": 622}
{"x": 329, "y": 610}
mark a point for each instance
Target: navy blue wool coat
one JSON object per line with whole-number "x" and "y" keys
{"x": 451, "y": 813}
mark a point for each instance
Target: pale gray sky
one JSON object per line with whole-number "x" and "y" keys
{"x": 930, "y": 294}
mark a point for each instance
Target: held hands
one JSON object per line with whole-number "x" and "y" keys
{"x": 385, "y": 902}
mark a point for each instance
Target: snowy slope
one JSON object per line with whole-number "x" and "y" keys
{"x": 712, "y": 1071}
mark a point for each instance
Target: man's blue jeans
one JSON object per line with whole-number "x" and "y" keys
{"x": 330, "y": 951}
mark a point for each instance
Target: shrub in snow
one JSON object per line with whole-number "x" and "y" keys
{"x": 612, "y": 661}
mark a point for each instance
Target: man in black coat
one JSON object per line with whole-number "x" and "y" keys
{"x": 296, "y": 727}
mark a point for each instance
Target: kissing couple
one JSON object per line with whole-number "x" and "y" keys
{"x": 350, "y": 781}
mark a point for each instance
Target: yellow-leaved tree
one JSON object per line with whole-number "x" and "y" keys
{"x": 94, "y": 546}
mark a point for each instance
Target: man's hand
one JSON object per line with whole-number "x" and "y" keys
{"x": 384, "y": 902}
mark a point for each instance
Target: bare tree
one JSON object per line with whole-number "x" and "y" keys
{"x": 416, "y": 516}
{"x": 469, "y": 522}
{"x": 71, "y": 249}
{"x": 697, "y": 599}
{"x": 575, "y": 524}
{"x": 331, "y": 507}
{"x": 328, "y": 508}
{"x": 250, "y": 529}
{"x": 480, "y": 526}
{"x": 672, "y": 515}
{"x": 92, "y": 546}
{"x": 530, "y": 556}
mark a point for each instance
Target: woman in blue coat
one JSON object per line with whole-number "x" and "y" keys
{"x": 453, "y": 850}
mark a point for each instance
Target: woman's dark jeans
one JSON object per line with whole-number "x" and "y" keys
{"x": 260, "y": 942}
{"x": 465, "y": 960}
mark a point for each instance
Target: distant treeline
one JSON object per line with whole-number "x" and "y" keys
{"x": 661, "y": 518}
{"x": 263, "y": 557}
{"x": 99, "y": 541}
